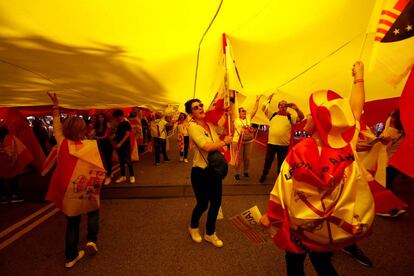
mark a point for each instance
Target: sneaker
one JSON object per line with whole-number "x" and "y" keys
{"x": 3, "y": 200}
{"x": 132, "y": 179}
{"x": 195, "y": 235}
{"x": 157, "y": 164}
{"x": 262, "y": 179}
{"x": 214, "y": 240}
{"x": 120, "y": 179}
{"x": 185, "y": 160}
{"x": 91, "y": 249}
{"x": 181, "y": 159}
{"x": 237, "y": 177}
{"x": 394, "y": 213}
{"x": 246, "y": 175}
{"x": 73, "y": 262}
{"x": 358, "y": 256}
{"x": 107, "y": 180}
{"x": 16, "y": 199}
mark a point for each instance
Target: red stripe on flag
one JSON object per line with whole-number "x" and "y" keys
{"x": 242, "y": 226}
{"x": 386, "y": 22}
{"x": 377, "y": 38}
{"x": 249, "y": 232}
{"x": 382, "y": 31}
{"x": 391, "y": 14}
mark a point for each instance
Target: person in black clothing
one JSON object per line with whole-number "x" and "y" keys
{"x": 41, "y": 134}
{"x": 104, "y": 143}
{"x": 123, "y": 145}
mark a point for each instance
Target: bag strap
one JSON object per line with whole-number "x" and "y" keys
{"x": 287, "y": 115}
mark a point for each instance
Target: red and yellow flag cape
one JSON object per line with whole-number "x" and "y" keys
{"x": 78, "y": 177}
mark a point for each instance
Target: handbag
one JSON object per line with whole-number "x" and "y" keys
{"x": 248, "y": 134}
{"x": 216, "y": 165}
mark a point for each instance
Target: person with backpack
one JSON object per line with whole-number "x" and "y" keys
{"x": 159, "y": 136}
{"x": 280, "y": 128}
{"x": 321, "y": 200}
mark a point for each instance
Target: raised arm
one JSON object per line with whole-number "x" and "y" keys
{"x": 357, "y": 97}
{"x": 256, "y": 106}
{"x": 301, "y": 116}
{"x": 266, "y": 106}
{"x": 57, "y": 125}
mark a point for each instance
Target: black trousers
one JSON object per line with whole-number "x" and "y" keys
{"x": 271, "y": 151}
{"x": 186, "y": 144}
{"x": 392, "y": 174}
{"x": 160, "y": 146}
{"x": 124, "y": 155}
{"x": 72, "y": 233}
{"x": 106, "y": 149}
{"x": 207, "y": 190}
{"x": 14, "y": 187}
{"x": 321, "y": 261}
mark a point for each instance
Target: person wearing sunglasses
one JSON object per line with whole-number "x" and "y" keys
{"x": 207, "y": 189}
{"x": 244, "y": 135}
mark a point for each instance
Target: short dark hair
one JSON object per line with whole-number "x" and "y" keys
{"x": 188, "y": 105}
{"x": 118, "y": 113}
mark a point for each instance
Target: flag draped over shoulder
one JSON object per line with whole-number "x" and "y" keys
{"x": 393, "y": 54}
{"x": 18, "y": 125}
{"x": 320, "y": 202}
{"x": 14, "y": 157}
{"x": 78, "y": 177}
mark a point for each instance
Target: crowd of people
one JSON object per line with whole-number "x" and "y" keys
{"x": 308, "y": 168}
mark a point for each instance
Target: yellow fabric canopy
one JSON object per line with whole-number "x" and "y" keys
{"x": 101, "y": 54}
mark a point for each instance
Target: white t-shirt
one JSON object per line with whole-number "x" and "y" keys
{"x": 158, "y": 128}
{"x": 200, "y": 137}
{"x": 183, "y": 128}
{"x": 280, "y": 128}
{"x": 238, "y": 125}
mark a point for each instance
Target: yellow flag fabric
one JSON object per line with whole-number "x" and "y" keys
{"x": 104, "y": 54}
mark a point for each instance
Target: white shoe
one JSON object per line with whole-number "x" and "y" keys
{"x": 73, "y": 262}
{"x": 91, "y": 248}
{"x": 107, "y": 180}
{"x": 214, "y": 240}
{"x": 181, "y": 158}
{"x": 185, "y": 160}
{"x": 195, "y": 235}
{"x": 132, "y": 179}
{"x": 120, "y": 179}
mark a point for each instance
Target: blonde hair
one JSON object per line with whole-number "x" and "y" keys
{"x": 74, "y": 128}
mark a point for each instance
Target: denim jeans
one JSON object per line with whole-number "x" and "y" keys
{"x": 160, "y": 146}
{"x": 207, "y": 190}
{"x": 72, "y": 233}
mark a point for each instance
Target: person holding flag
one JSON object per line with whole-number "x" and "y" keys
{"x": 207, "y": 188}
{"x": 321, "y": 200}
{"x": 76, "y": 182}
{"x": 243, "y": 138}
